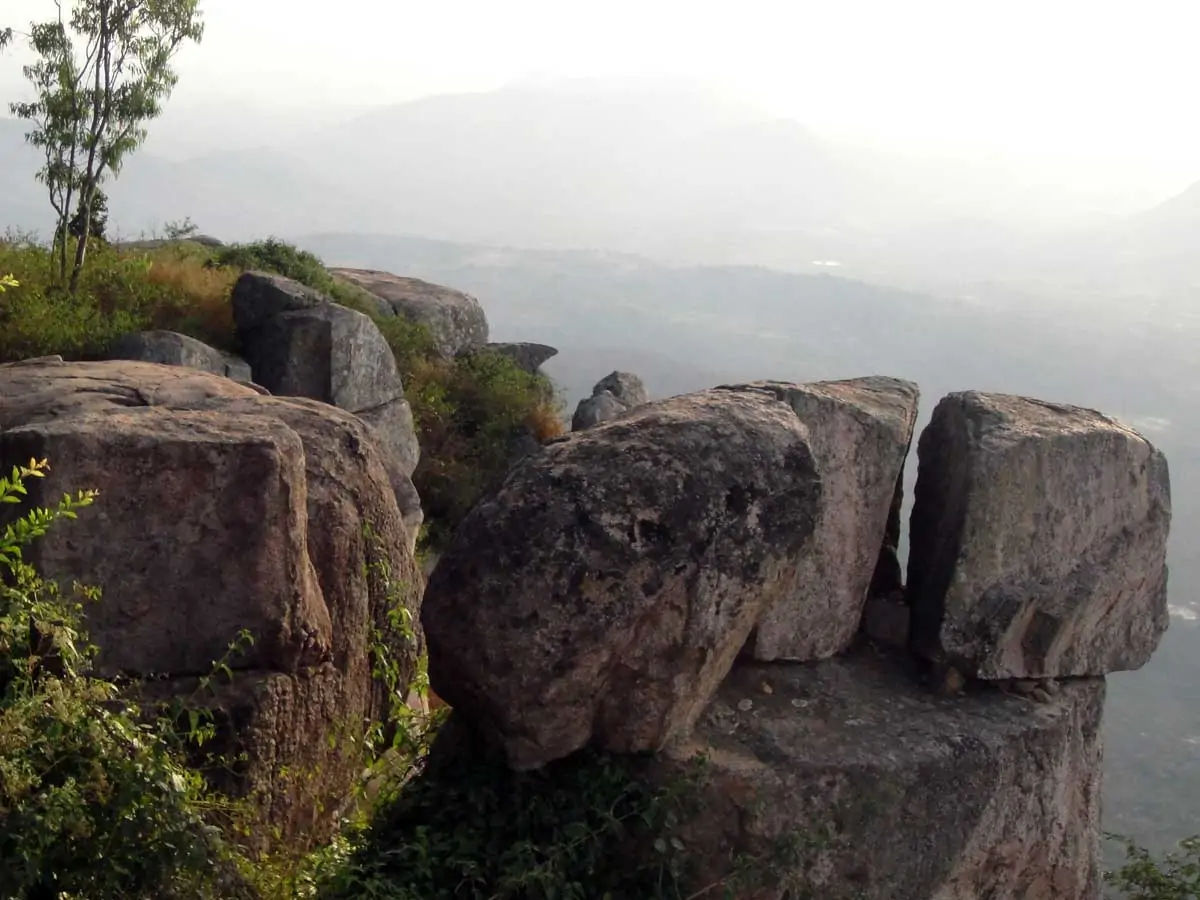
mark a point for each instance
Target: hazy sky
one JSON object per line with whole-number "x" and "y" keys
{"x": 1102, "y": 84}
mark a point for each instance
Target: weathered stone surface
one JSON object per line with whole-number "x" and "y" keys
{"x": 849, "y": 781}
{"x": 1038, "y": 540}
{"x": 604, "y": 591}
{"x": 454, "y": 319}
{"x": 393, "y": 424}
{"x": 859, "y": 431}
{"x": 612, "y": 396}
{"x": 526, "y": 355}
{"x": 260, "y": 296}
{"x": 299, "y": 344}
{"x": 625, "y": 386}
{"x": 173, "y": 349}
{"x": 602, "y": 407}
{"x": 230, "y": 489}
{"x": 222, "y": 509}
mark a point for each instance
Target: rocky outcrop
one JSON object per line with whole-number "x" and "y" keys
{"x": 526, "y": 355}
{"x": 455, "y": 320}
{"x": 222, "y": 509}
{"x": 1038, "y": 540}
{"x": 612, "y": 396}
{"x": 604, "y": 592}
{"x": 843, "y": 779}
{"x": 859, "y": 431}
{"x": 299, "y": 344}
{"x": 173, "y": 349}
{"x": 595, "y": 597}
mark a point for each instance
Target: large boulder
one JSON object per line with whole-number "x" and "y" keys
{"x": 173, "y": 349}
{"x": 859, "y": 431}
{"x": 1038, "y": 540}
{"x": 299, "y": 344}
{"x": 222, "y": 509}
{"x": 843, "y": 779}
{"x": 605, "y": 590}
{"x": 612, "y": 396}
{"x": 455, "y": 320}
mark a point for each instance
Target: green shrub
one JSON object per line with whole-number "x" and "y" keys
{"x": 1174, "y": 876}
{"x": 472, "y": 828}
{"x": 473, "y": 414}
{"x": 93, "y": 803}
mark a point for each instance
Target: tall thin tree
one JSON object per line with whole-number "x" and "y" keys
{"x": 101, "y": 73}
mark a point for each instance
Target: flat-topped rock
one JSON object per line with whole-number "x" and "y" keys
{"x": 527, "y": 355}
{"x": 859, "y": 430}
{"x": 844, "y": 779}
{"x": 1038, "y": 540}
{"x": 454, "y": 319}
{"x": 604, "y": 591}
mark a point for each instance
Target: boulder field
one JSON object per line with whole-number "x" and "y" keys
{"x": 712, "y": 575}
{"x": 715, "y": 575}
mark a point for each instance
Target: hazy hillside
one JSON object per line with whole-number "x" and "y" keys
{"x": 666, "y": 170}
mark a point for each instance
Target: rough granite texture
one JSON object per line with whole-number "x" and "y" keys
{"x": 222, "y": 509}
{"x": 859, "y": 431}
{"x": 1038, "y": 540}
{"x": 454, "y": 319}
{"x": 883, "y": 790}
{"x": 604, "y": 591}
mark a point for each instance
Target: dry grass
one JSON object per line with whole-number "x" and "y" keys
{"x": 204, "y": 308}
{"x": 546, "y": 423}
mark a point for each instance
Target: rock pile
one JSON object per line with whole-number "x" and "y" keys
{"x": 603, "y": 595}
{"x": 220, "y": 510}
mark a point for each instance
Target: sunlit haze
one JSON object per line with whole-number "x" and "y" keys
{"x": 1096, "y": 93}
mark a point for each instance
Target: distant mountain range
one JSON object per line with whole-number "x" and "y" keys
{"x": 669, "y": 172}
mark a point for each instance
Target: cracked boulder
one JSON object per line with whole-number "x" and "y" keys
{"x": 221, "y": 510}
{"x": 843, "y": 779}
{"x": 299, "y": 344}
{"x": 1038, "y": 543}
{"x": 604, "y": 591}
{"x": 859, "y": 431}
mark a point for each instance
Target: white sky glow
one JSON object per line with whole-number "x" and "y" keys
{"x": 1110, "y": 85}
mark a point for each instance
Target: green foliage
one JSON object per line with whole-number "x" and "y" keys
{"x": 92, "y": 802}
{"x": 100, "y": 74}
{"x": 1174, "y": 876}
{"x": 472, "y": 414}
{"x": 590, "y": 826}
{"x": 119, "y": 292}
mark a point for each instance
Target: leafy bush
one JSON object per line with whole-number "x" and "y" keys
{"x": 1175, "y": 876}
{"x": 119, "y": 291}
{"x": 92, "y": 801}
{"x": 473, "y": 414}
{"x": 472, "y": 828}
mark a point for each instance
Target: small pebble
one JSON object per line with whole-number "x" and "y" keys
{"x": 745, "y": 704}
{"x": 766, "y": 688}
{"x": 799, "y": 704}
{"x": 1041, "y": 695}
